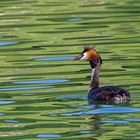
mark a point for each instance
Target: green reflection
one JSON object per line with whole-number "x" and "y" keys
{"x": 59, "y": 29}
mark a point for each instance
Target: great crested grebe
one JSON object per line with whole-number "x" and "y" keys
{"x": 106, "y": 93}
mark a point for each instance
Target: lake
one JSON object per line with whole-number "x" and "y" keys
{"x": 43, "y": 93}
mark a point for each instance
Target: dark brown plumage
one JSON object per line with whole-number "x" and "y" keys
{"x": 110, "y": 94}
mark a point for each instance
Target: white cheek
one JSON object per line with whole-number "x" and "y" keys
{"x": 84, "y": 57}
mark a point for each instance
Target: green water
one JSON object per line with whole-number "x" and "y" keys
{"x": 43, "y": 92}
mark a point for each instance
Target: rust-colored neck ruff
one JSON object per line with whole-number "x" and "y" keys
{"x": 95, "y": 77}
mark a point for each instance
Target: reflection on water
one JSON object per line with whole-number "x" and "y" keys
{"x": 85, "y": 132}
{"x": 115, "y": 121}
{"x": 6, "y": 102}
{"x": 105, "y": 110}
{"x": 7, "y": 43}
{"x": 25, "y": 88}
{"x": 48, "y": 136}
{"x": 72, "y": 97}
{"x": 41, "y": 81}
{"x": 56, "y": 58}
{"x": 43, "y": 92}
{"x": 11, "y": 121}
{"x": 1, "y": 114}
{"x": 27, "y": 94}
{"x": 75, "y": 19}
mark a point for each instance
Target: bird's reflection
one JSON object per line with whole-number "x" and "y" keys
{"x": 96, "y": 122}
{"x": 96, "y": 119}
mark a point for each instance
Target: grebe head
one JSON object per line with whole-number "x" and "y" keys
{"x": 90, "y": 54}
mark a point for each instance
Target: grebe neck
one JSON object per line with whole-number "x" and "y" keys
{"x": 95, "y": 77}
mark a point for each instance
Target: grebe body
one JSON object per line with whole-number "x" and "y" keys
{"x": 106, "y": 93}
{"x": 109, "y": 94}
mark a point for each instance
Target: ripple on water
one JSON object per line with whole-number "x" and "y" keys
{"x": 75, "y": 19}
{"x": 25, "y": 88}
{"x": 6, "y": 102}
{"x": 11, "y": 121}
{"x": 104, "y": 111}
{"x": 133, "y": 120}
{"x": 85, "y": 132}
{"x": 7, "y": 43}
{"x": 122, "y": 121}
{"x": 2, "y": 114}
{"x": 72, "y": 97}
{"x": 114, "y": 110}
{"x": 48, "y": 136}
{"x": 41, "y": 81}
{"x": 56, "y": 58}
{"x": 27, "y": 94}
{"x": 115, "y": 121}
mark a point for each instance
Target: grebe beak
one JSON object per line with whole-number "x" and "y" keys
{"x": 78, "y": 57}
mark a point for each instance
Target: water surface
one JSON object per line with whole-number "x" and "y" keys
{"x": 43, "y": 92}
